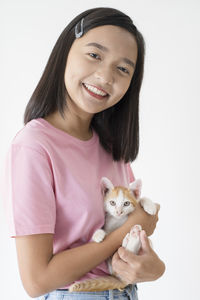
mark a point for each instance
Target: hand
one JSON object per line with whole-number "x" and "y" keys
{"x": 131, "y": 268}
{"x": 147, "y": 221}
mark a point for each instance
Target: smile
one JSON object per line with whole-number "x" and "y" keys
{"x": 95, "y": 91}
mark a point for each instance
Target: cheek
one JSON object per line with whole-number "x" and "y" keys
{"x": 74, "y": 72}
{"x": 128, "y": 209}
{"x": 113, "y": 209}
{"x": 109, "y": 208}
{"x": 71, "y": 76}
{"x": 122, "y": 88}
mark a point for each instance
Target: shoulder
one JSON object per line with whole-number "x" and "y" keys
{"x": 32, "y": 136}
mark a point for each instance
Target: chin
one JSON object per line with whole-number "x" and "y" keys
{"x": 119, "y": 217}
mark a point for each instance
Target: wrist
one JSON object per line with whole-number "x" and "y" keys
{"x": 115, "y": 238}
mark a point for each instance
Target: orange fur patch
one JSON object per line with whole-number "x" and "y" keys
{"x": 127, "y": 194}
{"x": 98, "y": 284}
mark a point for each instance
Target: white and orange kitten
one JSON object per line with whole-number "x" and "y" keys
{"x": 119, "y": 202}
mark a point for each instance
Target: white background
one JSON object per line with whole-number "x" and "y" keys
{"x": 168, "y": 162}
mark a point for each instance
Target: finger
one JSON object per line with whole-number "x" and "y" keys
{"x": 118, "y": 264}
{"x": 145, "y": 242}
{"x": 115, "y": 257}
{"x": 126, "y": 255}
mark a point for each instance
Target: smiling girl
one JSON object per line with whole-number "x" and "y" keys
{"x": 81, "y": 124}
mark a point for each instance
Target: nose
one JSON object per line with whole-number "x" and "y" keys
{"x": 105, "y": 75}
{"x": 119, "y": 212}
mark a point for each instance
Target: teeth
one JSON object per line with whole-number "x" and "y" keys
{"x": 94, "y": 90}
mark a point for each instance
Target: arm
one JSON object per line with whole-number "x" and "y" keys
{"x": 42, "y": 272}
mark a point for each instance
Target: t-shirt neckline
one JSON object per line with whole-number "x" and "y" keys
{"x": 67, "y": 135}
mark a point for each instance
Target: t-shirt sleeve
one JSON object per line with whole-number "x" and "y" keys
{"x": 28, "y": 192}
{"x": 131, "y": 176}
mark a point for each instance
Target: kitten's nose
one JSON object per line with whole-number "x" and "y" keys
{"x": 119, "y": 212}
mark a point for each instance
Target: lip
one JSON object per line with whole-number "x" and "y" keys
{"x": 99, "y": 97}
{"x": 97, "y": 87}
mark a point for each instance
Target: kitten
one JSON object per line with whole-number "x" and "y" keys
{"x": 119, "y": 202}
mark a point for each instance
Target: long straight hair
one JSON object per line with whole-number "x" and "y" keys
{"x": 117, "y": 126}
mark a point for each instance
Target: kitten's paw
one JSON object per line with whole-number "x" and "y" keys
{"x": 149, "y": 206}
{"x": 99, "y": 236}
{"x": 135, "y": 230}
{"x": 132, "y": 239}
{"x": 125, "y": 240}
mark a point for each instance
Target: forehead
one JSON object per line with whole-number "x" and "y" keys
{"x": 118, "y": 40}
{"x": 122, "y": 193}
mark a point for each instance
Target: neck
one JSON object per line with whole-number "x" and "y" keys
{"x": 75, "y": 125}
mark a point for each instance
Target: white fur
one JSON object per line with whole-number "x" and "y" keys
{"x": 136, "y": 187}
{"x": 132, "y": 240}
{"x": 149, "y": 206}
{"x": 99, "y": 235}
{"x": 113, "y": 223}
{"x": 119, "y": 210}
{"x": 117, "y": 214}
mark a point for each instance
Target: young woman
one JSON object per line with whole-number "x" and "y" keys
{"x": 81, "y": 123}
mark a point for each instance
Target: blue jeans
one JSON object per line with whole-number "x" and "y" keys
{"x": 129, "y": 293}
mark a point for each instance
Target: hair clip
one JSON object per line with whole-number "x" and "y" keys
{"x": 80, "y": 33}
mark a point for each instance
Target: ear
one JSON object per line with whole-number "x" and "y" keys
{"x": 106, "y": 186}
{"x": 135, "y": 187}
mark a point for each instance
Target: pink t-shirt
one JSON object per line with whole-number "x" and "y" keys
{"x": 52, "y": 185}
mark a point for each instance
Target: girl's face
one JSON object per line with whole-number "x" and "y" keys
{"x": 99, "y": 68}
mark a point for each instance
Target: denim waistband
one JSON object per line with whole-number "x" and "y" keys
{"x": 129, "y": 292}
{"x": 128, "y": 287}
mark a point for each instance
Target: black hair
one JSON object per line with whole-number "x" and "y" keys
{"x": 117, "y": 126}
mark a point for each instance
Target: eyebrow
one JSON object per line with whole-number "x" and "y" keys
{"x": 105, "y": 49}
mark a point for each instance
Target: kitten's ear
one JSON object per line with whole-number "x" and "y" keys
{"x": 106, "y": 185}
{"x": 135, "y": 187}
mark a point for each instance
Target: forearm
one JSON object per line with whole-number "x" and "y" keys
{"x": 70, "y": 265}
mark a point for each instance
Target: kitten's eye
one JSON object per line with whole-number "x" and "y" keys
{"x": 112, "y": 203}
{"x": 127, "y": 203}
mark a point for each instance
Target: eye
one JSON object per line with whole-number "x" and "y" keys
{"x": 127, "y": 203}
{"x": 112, "y": 203}
{"x": 94, "y": 55}
{"x": 124, "y": 70}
